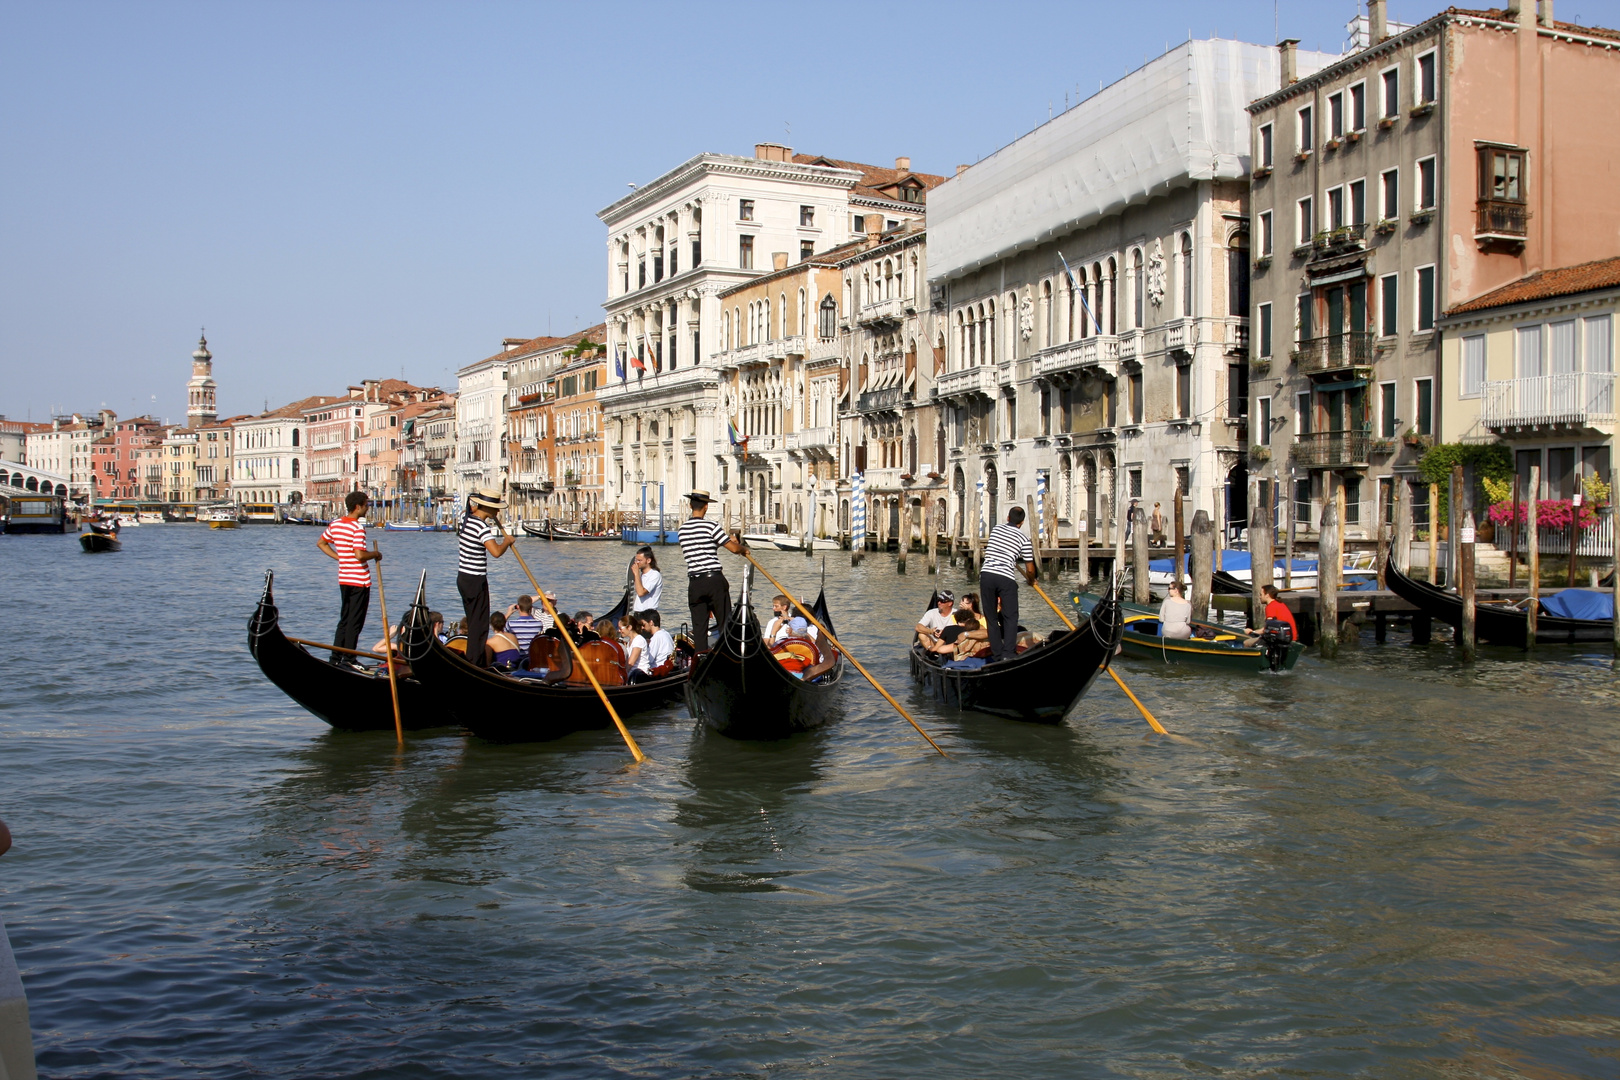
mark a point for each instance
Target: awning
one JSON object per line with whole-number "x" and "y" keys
{"x": 1352, "y": 274}
{"x": 1351, "y": 385}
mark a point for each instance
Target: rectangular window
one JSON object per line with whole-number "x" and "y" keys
{"x": 1183, "y": 391}
{"x": 1266, "y": 237}
{"x": 1561, "y": 348}
{"x": 807, "y": 248}
{"x": 1302, "y": 502}
{"x": 1425, "y": 184}
{"x": 1388, "y": 413}
{"x": 807, "y": 217}
{"x": 1302, "y": 413}
{"x": 1472, "y": 373}
{"x": 745, "y": 252}
{"x": 1237, "y": 389}
{"x": 1599, "y": 344}
{"x": 1389, "y": 291}
{"x": 1528, "y": 342}
{"x": 1306, "y": 130}
{"x": 1335, "y": 207}
{"x": 1335, "y": 104}
{"x": 1265, "y": 329}
{"x": 1390, "y": 209}
{"x": 1392, "y": 92}
{"x": 1136, "y": 397}
{"x": 1352, "y": 500}
{"x": 1358, "y": 202}
{"x": 1501, "y": 174}
{"x": 857, "y": 223}
{"x": 1307, "y": 221}
{"x": 1262, "y": 427}
{"x": 1304, "y": 329}
{"x": 1425, "y": 78}
{"x": 1135, "y": 483}
{"x": 1424, "y": 402}
{"x": 1425, "y": 298}
{"x": 1265, "y": 151}
{"x": 1358, "y": 107}
{"x": 745, "y": 209}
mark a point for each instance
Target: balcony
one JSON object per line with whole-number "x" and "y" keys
{"x": 1332, "y": 449}
{"x": 1237, "y": 336}
{"x": 1499, "y": 221}
{"x": 822, "y": 350}
{"x": 691, "y": 380}
{"x": 884, "y": 311}
{"x": 1101, "y": 353}
{"x": 879, "y": 400}
{"x": 1335, "y": 353}
{"x": 983, "y": 379}
{"x": 816, "y": 438}
{"x": 1576, "y": 400}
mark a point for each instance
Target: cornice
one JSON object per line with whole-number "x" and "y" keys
{"x": 1339, "y": 68}
{"x": 643, "y": 199}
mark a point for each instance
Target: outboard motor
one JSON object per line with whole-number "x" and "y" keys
{"x": 1275, "y": 638}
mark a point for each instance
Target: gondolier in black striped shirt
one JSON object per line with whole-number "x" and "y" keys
{"x": 707, "y": 591}
{"x": 481, "y": 537}
{"x": 998, "y": 582}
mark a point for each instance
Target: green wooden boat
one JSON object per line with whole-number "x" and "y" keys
{"x": 1225, "y": 651}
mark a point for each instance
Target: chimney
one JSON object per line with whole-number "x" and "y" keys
{"x": 779, "y": 260}
{"x": 874, "y": 226}
{"x": 1290, "y": 60}
{"x": 960, "y": 169}
{"x": 1522, "y": 12}
{"x": 1546, "y": 16}
{"x": 1377, "y": 22}
{"x": 903, "y": 164}
{"x": 769, "y": 151}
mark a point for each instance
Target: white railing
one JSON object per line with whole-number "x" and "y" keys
{"x": 809, "y": 437}
{"x": 1575, "y": 397}
{"x": 1596, "y": 542}
{"x": 1097, "y": 352}
{"x": 823, "y": 349}
{"x": 983, "y": 379}
{"x": 882, "y": 311}
{"x": 694, "y": 377}
{"x": 1181, "y": 335}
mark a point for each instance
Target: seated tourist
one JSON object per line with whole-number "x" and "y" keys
{"x": 582, "y": 624}
{"x": 1175, "y": 615}
{"x": 958, "y": 642}
{"x": 935, "y": 618}
{"x": 652, "y": 650}
{"x": 523, "y": 622}
{"x": 607, "y": 631}
{"x": 781, "y": 611}
{"x": 502, "y": 647}
{"x": 1027, "y": 641}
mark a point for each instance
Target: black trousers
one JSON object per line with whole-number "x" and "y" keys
{"x": 474, "y": 590}
{"x": 707, "y": 595}
{"x": 351, "y": 619}
{"x": 1003, "y": 627}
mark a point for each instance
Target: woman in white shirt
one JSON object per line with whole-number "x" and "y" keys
{"x": 1175, "y": 615}
{"x": 651, "y": 647}
{"x": 645, "y": 580}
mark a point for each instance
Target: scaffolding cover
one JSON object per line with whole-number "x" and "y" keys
{"x": 1177, "y": 119}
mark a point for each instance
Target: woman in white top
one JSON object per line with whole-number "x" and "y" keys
{"x": 651, "y": 647}
{"x": 646, "y": 581}
{"x": 1175, "y": 615}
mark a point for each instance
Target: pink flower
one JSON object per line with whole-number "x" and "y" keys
{"x": 1550, "y": 514}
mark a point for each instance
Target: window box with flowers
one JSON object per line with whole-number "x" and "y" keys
{"x": 1261, "y": 263}
{"x": 1355, "y": 136}
{"x": 1262, "y": 172}
{"x": 1303, "y": 156}
{"x": 1385, "y": 226}
{"x": 1412, "y": 438}
{"x": 1331, "y": 144}
{"x": 1423, "y": 109}
{"x": 1387, "y": 122}
{"x": 1422, "y": 217}
{"x": 1302, "y": 250}
{"x": 1258, "y": 453}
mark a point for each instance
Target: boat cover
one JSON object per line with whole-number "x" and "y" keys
{"x": 1580, "y": 604}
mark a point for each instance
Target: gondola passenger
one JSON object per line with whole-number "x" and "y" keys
{"x": 646, "y": 580}
{"x": 503, "y": 648}
{"x": 524, "y": 623}
{"x": 652, "y": 650}
{"x": 936, "y": 618}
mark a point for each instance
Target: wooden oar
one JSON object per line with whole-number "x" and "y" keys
{"x": 858, "y": 667}
{"x": 393, "y": 680}
{"x": 578, "y": 659}
{"x": 1154, "y": 724}
{"x": 337, "y": 648}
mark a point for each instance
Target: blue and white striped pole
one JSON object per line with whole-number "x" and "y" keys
{"x": 1040, "y": 506}
{"x": 857, "y": 518}
{"x": 979, "y": 486}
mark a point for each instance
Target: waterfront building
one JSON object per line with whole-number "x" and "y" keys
{"x": 180, "y": 464}
{"x": 1093, "y": 274}
{"x": 270, "y": 453}
{"x": 1431, "y": 166}
{"x": 63, "y": 448}
{"x": 117, "y": 459}
{"x": 342, "y": 430}
{"x": 391, "y": 409}
{"x": 481, "y": 422}
{"x": 674, "y": 245}
{"x": 430, "y": 451}
{"x": 1532, "y": 363}
{"x": 543, "y": 484}
{"x": 14, "y": 438}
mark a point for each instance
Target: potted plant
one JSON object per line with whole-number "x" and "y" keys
{"x": 1259, "y": 453}
{"x": 1422, "y": 109}
{"x": 1355, "y": 136}
{"x": 1385, "y": 226}
{"x": 1386, "y": 123}
{"x": 1322, "y": 240}
{"x": 1412, "y": 438}
{"x": 1331, "y": 144}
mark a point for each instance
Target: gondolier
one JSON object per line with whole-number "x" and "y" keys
{"x": 481, "y": 537}
{"x": 1006, "y": 546}
{"x": 345, "y": 541}
{"x": 707, "y": 591}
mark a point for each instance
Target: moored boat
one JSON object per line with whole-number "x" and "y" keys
{"x": 1569, "y": 617}
{"x": 1039, "y": 685}
{"x": 1223, "y": 648}
{"x": 740, "y": 689}
{"x": 344, "y": 697}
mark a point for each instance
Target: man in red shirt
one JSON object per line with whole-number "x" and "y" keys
{"x": 345, "y": 541}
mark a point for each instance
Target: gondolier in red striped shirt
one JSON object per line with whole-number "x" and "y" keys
{"x": 345, "y": 541}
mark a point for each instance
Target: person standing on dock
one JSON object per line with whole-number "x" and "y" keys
{"x": 707, "y": 591}
{"x": 345, "y": 541}
{"x": 1006, "y": 546}
{"x": 481, "y": 537}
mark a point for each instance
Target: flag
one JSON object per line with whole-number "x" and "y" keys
{"x": 636, "y": 361}
{"x": 731, "y": 430}
{"x": 652, "y": 352}
{"x": 1077, "y": 289}
{"x": 618, "y": 363}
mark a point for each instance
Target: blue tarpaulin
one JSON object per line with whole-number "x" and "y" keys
{"x": 1579, "y": 604}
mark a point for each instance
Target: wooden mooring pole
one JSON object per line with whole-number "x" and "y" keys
{"x": 1260, "y": 559}
{"x": 1434, "y": 534}
{"x": 1180, "y": 544}
{"x": 1513, "y": 538}
{"x": 1465, "y": 586}
{"x": 1327, "y": 561}
{"x": 1532, "y": 570}
{"x": 905, "y": 534}
{"x": 1203, "y": 551}
{"x": 933, "y": 542}
{"x": 1140, "y": 590}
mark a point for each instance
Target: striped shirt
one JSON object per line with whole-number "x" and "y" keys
{"x": 1006, "y": 546}
{"x": 472, "y": 556}
{"x": 525, "y": 628}
{"x": 700, "y": 542}
{"x": 346, "y": 535}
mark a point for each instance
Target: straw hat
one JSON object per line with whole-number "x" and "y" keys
{"x": 699, "y": 496}
{"x": 488, "y": 499}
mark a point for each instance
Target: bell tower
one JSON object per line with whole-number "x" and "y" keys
{"x": 200, "y": 407}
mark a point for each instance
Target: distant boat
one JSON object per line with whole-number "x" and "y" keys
{"x": 1224, "y": 648}
{"x": 405, "y": 526}
{"x": 1570, "y": 616}
{"x": 1235, "y": 574}
{"x": 100, "y": 538}
{"x": 788, "y": 542}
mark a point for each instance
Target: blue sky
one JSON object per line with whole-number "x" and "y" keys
{"x": 347, "y": 190}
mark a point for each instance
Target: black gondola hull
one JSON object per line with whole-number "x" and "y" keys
{"x": 1039, "y": 686}
{"x": 345, "y": 698}
{"x": 1493, "y": 622}
{"x": 739, "y": 690}
{"x": 94, "y": 542}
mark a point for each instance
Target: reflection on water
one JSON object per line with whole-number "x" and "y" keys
{"x": 1392, "y": 865}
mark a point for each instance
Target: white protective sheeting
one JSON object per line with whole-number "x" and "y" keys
{"x": 1180, "y": 118}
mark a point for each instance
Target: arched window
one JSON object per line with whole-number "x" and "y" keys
{"x": 295, "y": 436}
{"x": 785, "y": 329}
{"x": 829, "y": 318}
{"x": 1113, "y": 295}
{"x": 990, "y": 333}
{"x": 1043, "y": 318}
{"x": 804, "y": 317}
{"x": 1186, "y": 274}
{"x": 1138, "y": 290}
{"x": 1237, "y": 272}
{"x": 295, "y": 468}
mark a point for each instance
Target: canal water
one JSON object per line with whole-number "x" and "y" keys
{"x": 1390, "y": 866}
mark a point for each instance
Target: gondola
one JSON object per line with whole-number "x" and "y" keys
{"x": 505, "y": 709}
{"x": 343, "y": 697}
{"x": 1223, "y": 649}
{"x": 1040, "y": 685}
{"x": 1500, "y": 624}
{"x": 99, "y": 540}
{"x": 740, "y": 690}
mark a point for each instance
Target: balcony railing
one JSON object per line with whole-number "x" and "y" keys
{"x": 1499, "y": 219}
{"x": 1332, "y": 449}
{"x": 1337, "y": 352}
{"x": 1573, "y": 399}
{"x": 875, "y": 400}
{"x": 810, "y": 438}
{"x": 1093, "y": 352}
{"x": 983, "y": 379}
{"x": 1181, "y": 335}
{"x": 820, "y": 348}
{"x": 884, "y": 311}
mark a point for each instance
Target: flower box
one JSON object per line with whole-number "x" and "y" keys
{"x": 1261, "y": 263}
{"x": 1331, "y": 144}
{"x": 1386, "y": 226}
{"x": 1302, "y": 250}
{"x": 1302, "y": 156}
{"x": 1422, "y": 217}
{"x": 1355, "y": 136}
{"x": 1262, "y": 172}
{"x": 1386, "y": 123}
{"x": 1424, "y": 109}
